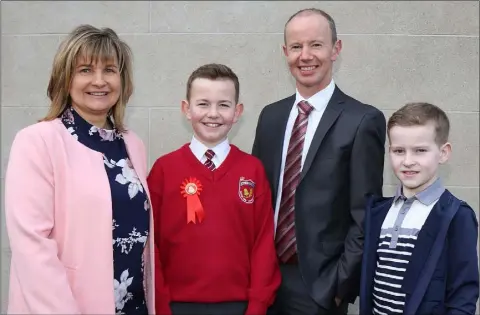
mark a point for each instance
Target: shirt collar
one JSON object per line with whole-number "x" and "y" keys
{"x": 221, "y": 150}
{"x": 319, "y": 100}
{"x": 71, "y": 118}
{"x": 426, "y": 196}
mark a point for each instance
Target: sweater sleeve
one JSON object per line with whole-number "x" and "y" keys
{"x": 29, "y": 212}
{"x": 265, "y": 272}
{"x": 162, "y": 292}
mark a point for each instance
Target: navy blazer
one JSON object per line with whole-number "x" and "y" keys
{"x": 442, "y": 276}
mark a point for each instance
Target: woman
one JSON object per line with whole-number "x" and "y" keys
{"x": 75, "y": 185}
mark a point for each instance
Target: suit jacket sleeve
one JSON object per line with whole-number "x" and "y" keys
{"x": 155, "y": 181}
{"x": 29, "y": 212}
{"x": 462, "y": 288}
{"x": 366, "y": 176}
{"x": 256, "y": 141}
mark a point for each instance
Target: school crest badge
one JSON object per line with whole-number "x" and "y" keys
{"x": 246, "y": 190}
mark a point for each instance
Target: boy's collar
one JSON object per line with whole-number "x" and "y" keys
{"x": 199, "y": 149}
{"x": 426, "y": 196}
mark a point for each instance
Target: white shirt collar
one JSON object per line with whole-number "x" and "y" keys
{"x": 221, "y": 151}
{"x": 320, "y": 99}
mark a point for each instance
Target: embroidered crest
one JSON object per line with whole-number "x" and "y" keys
{"x": 246, "y": 190}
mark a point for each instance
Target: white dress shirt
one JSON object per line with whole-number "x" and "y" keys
{"x": 319, "y": 102}
{"x": 221, "y": 151}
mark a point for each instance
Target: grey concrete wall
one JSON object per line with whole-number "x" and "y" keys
{"x": 393, "y": 53}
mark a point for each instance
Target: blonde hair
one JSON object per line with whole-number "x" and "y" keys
{"x": 214, "y": 71}
{"x": 420, "y": 114}
{"x": 93, "y": 44}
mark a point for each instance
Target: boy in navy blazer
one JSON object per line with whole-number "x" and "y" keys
{"x": 420, "y": 250}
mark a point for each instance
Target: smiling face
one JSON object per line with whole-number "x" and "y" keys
{"x": 95, "y": 88}
{"x": 415, "y": 156}
{"x": 212, "y": 109}
{"x": 310, "y": 52}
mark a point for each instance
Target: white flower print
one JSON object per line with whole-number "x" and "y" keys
{"x": 114, "y": 224}
{"x": 106, "y": 135}
{"x": 72, "y": 132}
{"x": 68, "y": 117}
{"x": 146, "y": 205}
{"x": 110, "y": 164}
{"x": 122, "y": 295}
{"x": 126, "y": 243}
{"x": 129, "y": 176}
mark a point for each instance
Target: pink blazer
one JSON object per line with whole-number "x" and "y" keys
{"x": 59, "y": 223}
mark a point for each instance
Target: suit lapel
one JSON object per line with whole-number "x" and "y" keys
{"x": 332, "y": 111}
{"x": 277, "y": 145}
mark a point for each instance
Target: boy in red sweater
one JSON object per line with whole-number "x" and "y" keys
{"x": 213, "y": 215}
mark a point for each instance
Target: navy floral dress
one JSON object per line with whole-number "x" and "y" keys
{"x": 130, "y": 211}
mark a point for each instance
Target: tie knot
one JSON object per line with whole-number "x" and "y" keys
{"x": 305, "y": 108}
{"x": 209, "y": 154}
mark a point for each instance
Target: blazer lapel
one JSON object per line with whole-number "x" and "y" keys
{"x": 137, "y": 156}
{"x": 428, "y": 248}
{"x": 378, "y": 215}
{"x": 332, "y": 111}
{"x": 138, "y": 160}
{"x": 277, "y": 145}
{"x": 421, "y": 252}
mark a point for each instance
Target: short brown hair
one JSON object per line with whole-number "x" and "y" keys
{"x": 94, "y": 44}
{"x": 331, "y": 22}
{"x": 214, "y": 71}
{"x": 420, "y": 114}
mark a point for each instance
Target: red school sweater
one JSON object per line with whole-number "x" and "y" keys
{"x": 229, "y": 255}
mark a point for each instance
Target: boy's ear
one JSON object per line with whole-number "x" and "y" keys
{"x": 445, "y": 152}
{"x": 186, "y": 109}
{"x": 238, "y": 112}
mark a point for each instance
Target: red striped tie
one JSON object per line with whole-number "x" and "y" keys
{"x": 208, "y": 163}
{"x": 285, "y": 239}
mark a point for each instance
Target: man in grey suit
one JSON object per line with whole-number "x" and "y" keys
{"x": 323, "y": 151}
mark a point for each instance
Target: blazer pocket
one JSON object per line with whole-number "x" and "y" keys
{"x": 69, "y": 263}
{"x": 435, "y": 291}
{"x": 334, "y": 154}
{"x": 332, "y": 248}
{"x": 71, "y": 276}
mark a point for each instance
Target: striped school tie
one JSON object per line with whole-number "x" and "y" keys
{"x": 208, "y": 163}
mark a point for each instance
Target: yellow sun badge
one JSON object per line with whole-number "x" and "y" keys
{"x": 246, "y": 190}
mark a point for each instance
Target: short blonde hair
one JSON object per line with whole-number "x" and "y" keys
{"x": 93, "y": 44}
{"x": 214, "y": 71}
{"x": 420, "y": 114}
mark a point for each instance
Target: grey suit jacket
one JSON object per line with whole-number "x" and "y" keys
{"x": 345, "y": 162}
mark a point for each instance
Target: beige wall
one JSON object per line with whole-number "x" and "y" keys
{"x": 393, "y": 52}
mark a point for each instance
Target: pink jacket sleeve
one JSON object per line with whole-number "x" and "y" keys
{"x": 29, "y": 211}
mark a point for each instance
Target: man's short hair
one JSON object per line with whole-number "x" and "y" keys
{"x": 308, "y": 11}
